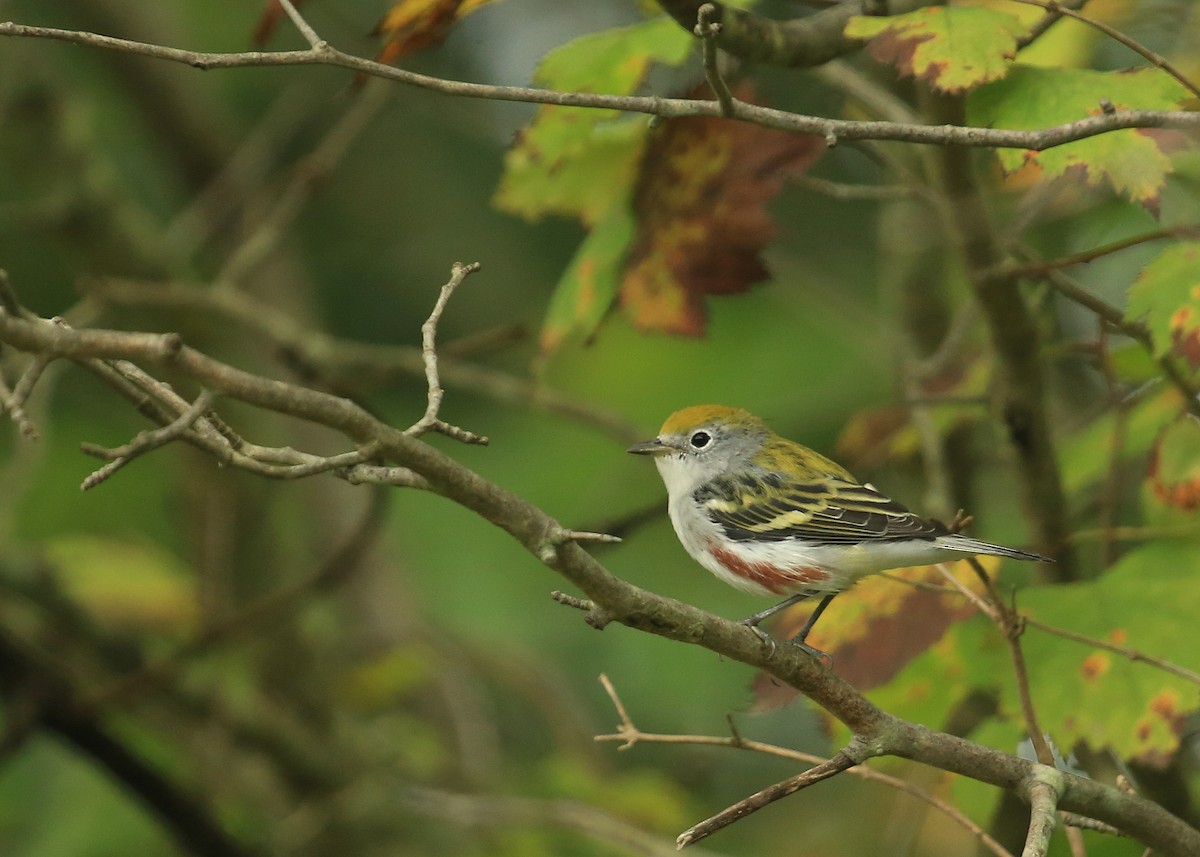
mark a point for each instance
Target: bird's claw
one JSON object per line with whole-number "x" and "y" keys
{"x": 767, "y": 639}
{"x": 823, "y": 657}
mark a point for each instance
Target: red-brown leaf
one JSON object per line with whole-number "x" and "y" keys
{"x": 700, "y": 205}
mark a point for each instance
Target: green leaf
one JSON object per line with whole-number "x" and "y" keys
{"x": 953, "y": 49}
{"x": 1147, "y": 601}
{"x": 1131, "y": 160}
{"x": 556, "y": 169}
{"x": 1167, "y": 295}
{"x": 589, "y": 285}
{"x": 615, "y": 61}
{"x": 581, "y": 162}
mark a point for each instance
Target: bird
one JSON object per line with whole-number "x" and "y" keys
{"x": 774, "y": 518}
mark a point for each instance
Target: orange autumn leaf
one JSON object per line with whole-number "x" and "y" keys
{"x": 700, "y": 206}
{"x": 410, "y": 25}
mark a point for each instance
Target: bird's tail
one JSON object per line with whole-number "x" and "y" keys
{"x": 966, "y": 544}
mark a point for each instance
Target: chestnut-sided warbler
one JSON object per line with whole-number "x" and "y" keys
{"x": 772, "y": 517}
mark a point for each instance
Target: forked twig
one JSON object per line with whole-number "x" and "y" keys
{"x": 430, "y": 421}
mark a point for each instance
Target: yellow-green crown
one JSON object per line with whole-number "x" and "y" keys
{"x": 687, "y": 419}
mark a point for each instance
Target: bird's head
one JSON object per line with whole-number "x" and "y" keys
{"x": 699, "y": 443}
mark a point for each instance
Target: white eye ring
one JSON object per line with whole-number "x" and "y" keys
{"x": 700, "y": 439}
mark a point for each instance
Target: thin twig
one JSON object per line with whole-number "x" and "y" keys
{"x": 430, "y": 420}
{"x": 1038, "y": 267}
{"x": 1124, "y": 651}
{"x": 943, "y": 134}
{"x": 1082, "y": 822}
{"x": 16, "y": 411}
{"x": 470, "y": 810}
{"x": 310, "y": 35}
{"x": 707, "y": 29}
{"x": 1116, "y": 35}
{"x": 144, "y": 442}
{"x": 1039, "y": 27}
{"x": 843, "y": 760}
{"x": 1011, "y": 625}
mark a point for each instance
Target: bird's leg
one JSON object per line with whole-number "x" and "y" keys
{"x": 752, "y": 622}
{"x": 799, "y": 638}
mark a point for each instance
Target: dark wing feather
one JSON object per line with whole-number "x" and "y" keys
{"x": 832, "y": 512}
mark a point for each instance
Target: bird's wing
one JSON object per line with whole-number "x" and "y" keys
{"x": 826, "y": 510}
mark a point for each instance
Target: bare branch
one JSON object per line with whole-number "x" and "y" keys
{"x": 1011, "y": 625}
{"x": 144, "y": 442}
{"x": 8, "y": 298}
{"x": 945, "y": 135}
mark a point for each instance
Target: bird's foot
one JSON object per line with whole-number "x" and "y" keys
{"x": 767, "y": 639}
{"x": 823, "y": 657}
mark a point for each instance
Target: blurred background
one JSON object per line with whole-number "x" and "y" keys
{"x": 321, "y": 668}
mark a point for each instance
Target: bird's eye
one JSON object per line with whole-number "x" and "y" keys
{"x": 700, "y": 440}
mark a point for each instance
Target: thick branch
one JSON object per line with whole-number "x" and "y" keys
{"x": 798, "y": 43}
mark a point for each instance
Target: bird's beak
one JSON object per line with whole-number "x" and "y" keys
{"x": 654, "y": 447}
